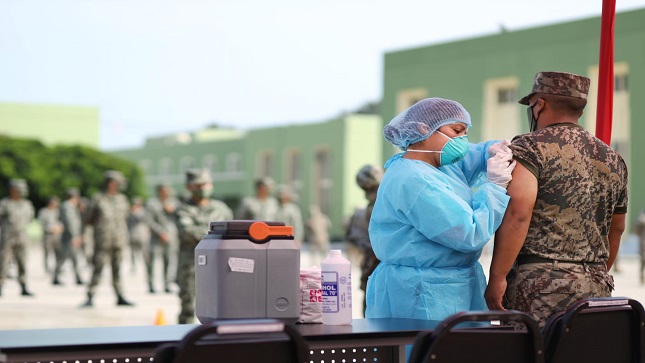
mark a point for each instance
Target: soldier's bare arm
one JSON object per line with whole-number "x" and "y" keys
{"x": 616, "y": 230}
{"x": 510, "y": 236}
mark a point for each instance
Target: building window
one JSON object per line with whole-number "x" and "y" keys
{"x": 501, "y": 111}
{"x": 209, "y": 162}
{"x": 408, "y": 97}
{"x": 265, "y": 164}
{"x": 233, "y": 163}
{"x": 620, "y": 83}
{"x": 294, "y": 169}
{"x": 322, "y": 180}
{"x": 507, "y": 95}
{"x": 186, "y": 163}
{"x": 165, "y": 167}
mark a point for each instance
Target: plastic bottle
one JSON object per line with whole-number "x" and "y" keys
{"x": 336, "y": 289}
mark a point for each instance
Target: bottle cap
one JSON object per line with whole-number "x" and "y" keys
{"x": 335, "y": 253}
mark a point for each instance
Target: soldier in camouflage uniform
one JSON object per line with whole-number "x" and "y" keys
{"x": 70, "y": 244}
{"x": 49, "y": 218}
{"x": 261, "y": 207}
{"x": 108, "y": 213}
{"x": 16, "y": 213}
{"x": 368, "y": 178}
{"x": 289, "y": 213}
{"x": 161, "y": 219}
{"x": 562, "y": 229}
{"x": 193, "y": 220}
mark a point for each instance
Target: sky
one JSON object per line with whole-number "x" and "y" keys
{"x": 155, "y": 67}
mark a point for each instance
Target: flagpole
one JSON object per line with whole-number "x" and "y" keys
{"x": 604, "y": 110}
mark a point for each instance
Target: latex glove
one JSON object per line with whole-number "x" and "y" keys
{"x": 502, "y": 146}
{"x": 500, "y": 167}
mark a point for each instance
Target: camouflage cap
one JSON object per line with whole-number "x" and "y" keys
{"x": 72, "y": 192}
{"x": 559, "y": 83}
{"x": 114, "y": 175}
{"x": 17, "y": 183}
{"x": 198, "y": 176}
{"x": 369, "y": 177}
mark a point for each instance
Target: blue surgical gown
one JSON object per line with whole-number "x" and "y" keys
{"x": 428, "y": 228}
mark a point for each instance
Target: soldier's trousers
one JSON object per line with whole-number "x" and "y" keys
{"x": 64, "y": 252}
{"x": 542, "y": 289}
{"x": 51, "y": 243}
{"x": 186, "y": 282}
{"x": 164, "y": 249}
{"x": 102, "y": 254}
{"x": 19, "y": 252}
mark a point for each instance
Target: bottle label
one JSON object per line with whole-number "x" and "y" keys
{"x": 330, "y": 292}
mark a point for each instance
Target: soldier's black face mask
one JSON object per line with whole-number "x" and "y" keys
{"x": 532, "y": 118}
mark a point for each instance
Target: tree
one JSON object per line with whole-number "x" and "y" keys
{"x": 52, "y": 170}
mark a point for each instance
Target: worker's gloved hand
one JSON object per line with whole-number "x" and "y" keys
{"x": 501, "y": 164}
{"x": 500, "y": 147}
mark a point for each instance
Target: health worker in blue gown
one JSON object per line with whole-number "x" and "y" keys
{"x": 439, "y": 203}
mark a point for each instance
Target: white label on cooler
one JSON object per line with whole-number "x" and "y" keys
{"x": 201, "y": 260}
{"x": 241, "y": 264}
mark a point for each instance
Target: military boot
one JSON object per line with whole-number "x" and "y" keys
{"x": 24, "y": 291}
{"x": 121, "y": 301}
{"x": 88, "y": 303}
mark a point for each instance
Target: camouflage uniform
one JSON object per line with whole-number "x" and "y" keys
{"x": 289, "y": 213}
{"x": 70, "y": 217}
{"x": 193, "y": 221}
{"x": 368, "y": 178}
{"x": 139, "y": 234}
{"x": 254, "y": 208}
{"x": 317, "y": 228}
{"x": 581, "y": 183}
{"x": 161, "y": 219}
{"x": 49, "y": 218}
{"x": 15, "y": 217}
{"x": 108, "y": 214}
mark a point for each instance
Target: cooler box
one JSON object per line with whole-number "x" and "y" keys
{"x": 246, "y": 270}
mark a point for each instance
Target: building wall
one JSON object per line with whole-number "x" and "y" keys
{"x": 51, "y": 124}
{"x": 345, "y": 144}
{"x": 463, "y": 71}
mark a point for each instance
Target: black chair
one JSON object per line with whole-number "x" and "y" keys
{"x": 498, "y": 344}
{"x": 262, "y": 340}
{"x": 597, "y": 330}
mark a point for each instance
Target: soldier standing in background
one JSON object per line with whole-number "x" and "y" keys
{"x": 318, "y": 226}
{"x": 70, "y": 244}
{"x": 16, "y": 213}
{"x": 139, "y": 234}
{"x": 193, "y": 220}
{"x": 368, "y": 178}
{"x": 261, "y": 207}
{"x": 289, "y": 212}
{"x": 49, "y": 219}
{"x": 161, "y": 219}
{"x": 108, "y": 213}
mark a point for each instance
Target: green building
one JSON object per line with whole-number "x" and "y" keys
{"x": 319, "y": 161}
{"x": 51, "y": 124}
{"x": 489, "y": 74}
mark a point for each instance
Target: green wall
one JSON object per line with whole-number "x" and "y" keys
{"x": 458, "y": 70}
{"x": 51, "y": 124}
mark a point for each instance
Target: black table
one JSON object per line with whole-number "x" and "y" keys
{"x": 366, "y": 340}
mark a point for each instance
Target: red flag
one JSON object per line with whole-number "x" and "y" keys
{"x": 606, "y": 72}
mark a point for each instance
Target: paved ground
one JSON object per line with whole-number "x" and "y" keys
{"x": 58, "y": 306}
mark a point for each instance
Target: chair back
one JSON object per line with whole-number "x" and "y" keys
{"x": 597, "y": 330}
{"x": 261, "y": 340}
{"x": 480, "y": 343}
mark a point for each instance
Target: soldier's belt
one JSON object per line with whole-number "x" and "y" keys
{"x": 525, "y": 259}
